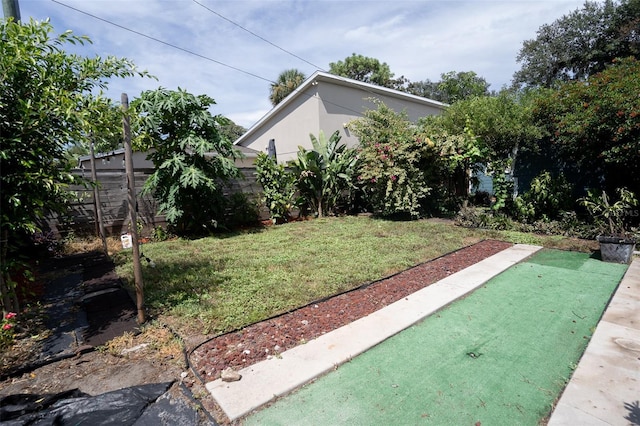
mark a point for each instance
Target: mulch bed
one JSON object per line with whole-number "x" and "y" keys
{"x": 259, "y": 341}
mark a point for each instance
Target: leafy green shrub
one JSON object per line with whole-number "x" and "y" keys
{"x": 502, "y": 190}
{"x": 473, "y": 217}
{"x": 568, "y": 224}
{"x": 481, "y": 199}
{"x": 159, "y": 234}
{"x": 278, "y": 185}
{"x": 610, "y": 217}
{"x": 545, "y": 200}
{"x": 325, "y": 173}
{"x": 241, "y": 210}
{"x": 479, "y": 217}
{"x": 393, "y": 157}
{"x": 187, "y": 181}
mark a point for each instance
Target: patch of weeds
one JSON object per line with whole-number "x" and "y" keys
{"x": 154, "y": 342}
{"x": 73, "y": 244}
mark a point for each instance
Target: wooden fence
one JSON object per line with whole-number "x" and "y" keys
{"x": 80, "y": 219}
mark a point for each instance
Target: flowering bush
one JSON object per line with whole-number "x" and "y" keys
{"x": 7, "y": 331}
{"x": 393, "y": 160}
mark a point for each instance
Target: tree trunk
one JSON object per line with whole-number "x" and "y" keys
{"x": 131, "y": 186}
{"x": 10, "y": 301}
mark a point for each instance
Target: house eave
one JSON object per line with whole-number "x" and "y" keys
{"x": 320, "y": 76}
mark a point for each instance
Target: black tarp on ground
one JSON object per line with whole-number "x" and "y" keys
{"x": 85, "y": 307}
{"x": 139, "y": 405}
{"x": 110, "y": 311}
{"x": 88, "y": 306}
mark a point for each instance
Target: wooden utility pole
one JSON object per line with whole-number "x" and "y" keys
{"x": 11, "y": 9}
{"x": 131, "y": 184}
{"x": 97, "y": 205}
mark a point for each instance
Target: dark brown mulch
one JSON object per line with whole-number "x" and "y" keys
{"x": 267, "y": 338}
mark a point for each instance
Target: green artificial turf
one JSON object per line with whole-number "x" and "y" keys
{"x": 500, "y": 356}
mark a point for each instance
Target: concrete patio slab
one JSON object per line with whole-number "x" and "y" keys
{"x": 264, "y": 381}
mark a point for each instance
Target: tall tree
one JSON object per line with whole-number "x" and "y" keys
{"x": 366, "y": 69}
{"x": 594, "y": 126}
{"x": 581, "y": 43}
{"x": 424, "y": 88}
{"x": 456, "y": 86}
{"x": 452, "y": 87}
{"x": 231, "y": 131}
{"x": 288, "y": 81}
{"x": 485, "y": 129}
{"x": 47, "y": 98}
{"x": 103, "y": 126}
{"x": 190, "y": 157}
{"x": 501, "y": 123}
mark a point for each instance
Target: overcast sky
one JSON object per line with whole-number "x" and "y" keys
{"x": 418, "y": 39}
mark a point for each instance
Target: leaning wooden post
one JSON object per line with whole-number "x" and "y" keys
{"x": 97, "y": 203}
{"x": 128, "y": 161}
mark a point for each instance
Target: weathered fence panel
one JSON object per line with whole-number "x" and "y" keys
{"x": 112, "y": 183}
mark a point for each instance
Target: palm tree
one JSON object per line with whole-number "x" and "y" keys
{"x": 287, "y": 82}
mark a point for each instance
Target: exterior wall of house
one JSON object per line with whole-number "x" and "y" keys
{"x": 343, "y": 103}
{"x": 289, "y": 127}
{"x": 247, "y": 161}
{"x": 327, "y": 105}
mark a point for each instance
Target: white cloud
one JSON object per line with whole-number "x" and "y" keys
{"x": 418, "y": 39}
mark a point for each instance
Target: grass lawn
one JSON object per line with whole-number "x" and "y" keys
{"x": 222, "y": 283}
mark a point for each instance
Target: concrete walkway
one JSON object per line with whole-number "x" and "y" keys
{"x": 266, "y": 380}
{"x": 605, "y": 388}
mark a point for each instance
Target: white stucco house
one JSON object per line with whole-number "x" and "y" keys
{"x": 327, "y": 102}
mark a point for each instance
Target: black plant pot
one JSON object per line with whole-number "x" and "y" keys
{"x": 616, "y": 249}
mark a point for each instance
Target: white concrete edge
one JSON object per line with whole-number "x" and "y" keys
{"x": 269, "y": 379}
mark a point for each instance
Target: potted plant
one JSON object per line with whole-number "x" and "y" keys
{"x": 617, "y": 243}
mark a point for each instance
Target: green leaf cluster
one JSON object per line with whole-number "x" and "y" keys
{"x": 324, "y": 174}
{"x": 278, "y": 184}
{"x": 546, "y": 199}
{"x": 611, "y": 216}
{"x": 484, "y": 132}
{"x": 595, "y": 125}
{"x": 192, "y": 161}
{"x": 49, "y": 100}
{"x": 363, "y": 68}
{"x": 47, "y": 103}
{"x": 287, "y": 82}
{"x": 580, "y": 44}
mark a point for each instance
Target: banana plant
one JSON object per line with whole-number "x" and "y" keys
{"x": 324, "y": 172}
